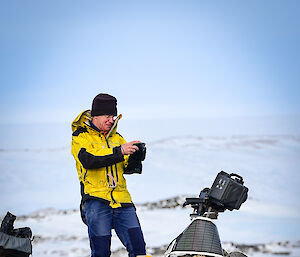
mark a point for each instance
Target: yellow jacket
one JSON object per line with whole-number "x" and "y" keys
{"x": 100, "y": 163}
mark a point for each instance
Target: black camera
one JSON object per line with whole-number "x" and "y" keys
{"x": 141, "y": 153}
{"x": 135, "y": 160}
{"x": 226, "y": 193}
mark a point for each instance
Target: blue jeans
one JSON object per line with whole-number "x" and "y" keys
{"x": 101, "y": 219}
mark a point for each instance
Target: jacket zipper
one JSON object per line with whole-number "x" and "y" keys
{"x": 107, "y": 175}
{"x": 106, "y": 166}
{"x": 111, "y": 167}
{"x": 116, "y": 172}
{"x": 85, "y": 175}
{"x": 111, "y": 193}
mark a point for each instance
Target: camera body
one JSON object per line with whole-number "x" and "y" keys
{"x": 226, "y": 193}
{"x": 141, "y": 153}
{"x": 135, "y": 160}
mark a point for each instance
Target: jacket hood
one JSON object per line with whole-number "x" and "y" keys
{"x": 83, "y": 120}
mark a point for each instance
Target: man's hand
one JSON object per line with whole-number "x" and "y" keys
{"x": 129, "y": 148}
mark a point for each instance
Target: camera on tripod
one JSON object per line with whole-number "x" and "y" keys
{"x": 227, "y": 193}
{"x": 201, "y": 237}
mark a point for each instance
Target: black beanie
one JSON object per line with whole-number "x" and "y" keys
{"x": 104, "y": 104}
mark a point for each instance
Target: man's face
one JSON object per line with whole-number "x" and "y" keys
{"x": 103, "y": 122}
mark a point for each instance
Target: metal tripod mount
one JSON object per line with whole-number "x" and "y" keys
{"x": 201, "y": 237}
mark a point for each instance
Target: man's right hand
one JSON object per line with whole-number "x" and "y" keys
{"x": 129, "y": 148}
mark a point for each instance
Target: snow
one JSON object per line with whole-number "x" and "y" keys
{"x": 38, "y": 172}
{"x": 61, "y": 233}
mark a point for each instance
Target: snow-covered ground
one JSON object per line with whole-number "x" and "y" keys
{"x": 61, "y": 233}
{"x": 37, "y": 174}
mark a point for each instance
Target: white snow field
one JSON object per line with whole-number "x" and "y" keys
{"x": 38, "y": 173}
{"x": 61, "y": 233}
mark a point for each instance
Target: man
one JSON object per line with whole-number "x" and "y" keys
{"x": 102, "y": 157}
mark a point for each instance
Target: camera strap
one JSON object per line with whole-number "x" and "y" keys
{"x": 114, "y": 125}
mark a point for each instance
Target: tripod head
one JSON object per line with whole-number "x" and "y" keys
{"x": 226, "y": 193}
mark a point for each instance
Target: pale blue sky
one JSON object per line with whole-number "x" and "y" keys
{"x": 159, "y": 58}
